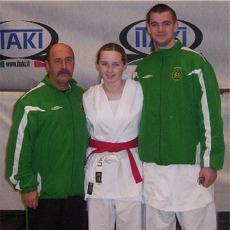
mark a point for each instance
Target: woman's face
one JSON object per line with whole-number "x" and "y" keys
{"x": 110, "y": 66}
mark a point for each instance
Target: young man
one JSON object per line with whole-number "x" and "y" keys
{"x": 181, "y": 139}
{"x": 47, "y": 144}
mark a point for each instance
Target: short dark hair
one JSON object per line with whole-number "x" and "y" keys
{"x": 160, "y": 8}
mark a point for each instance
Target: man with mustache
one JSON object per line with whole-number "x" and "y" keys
{"x": 46, "y": 148}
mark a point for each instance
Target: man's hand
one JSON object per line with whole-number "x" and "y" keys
{"x": 30, "y": 199}
{"x": 209, "y": 175}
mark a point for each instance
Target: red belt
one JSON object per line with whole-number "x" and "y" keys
{"x": 102, "y": 146}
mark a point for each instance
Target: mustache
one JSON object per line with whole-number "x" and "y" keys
{"x": 64, "y": 71}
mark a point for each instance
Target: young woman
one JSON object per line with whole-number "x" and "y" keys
{"x": 113, "y": 172}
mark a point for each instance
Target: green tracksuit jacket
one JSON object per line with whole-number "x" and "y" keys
{"x": 181, "y": 119}
{"x": 48, "y": 141}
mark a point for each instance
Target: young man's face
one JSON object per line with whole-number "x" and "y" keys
{"x": 161, "y": 28}
{"x": 60, "y": 66}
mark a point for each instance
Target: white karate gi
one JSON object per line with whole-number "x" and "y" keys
{"x": 116, "y": 181}
{"x": 173, "y": 190}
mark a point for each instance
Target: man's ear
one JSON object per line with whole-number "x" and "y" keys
{"x": 148, "y": 29}
{"x": 176, "y": 26}
{"x": 47, "y": 66}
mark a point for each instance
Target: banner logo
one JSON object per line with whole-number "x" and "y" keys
{"x": 135, "y": 38}
{"x": 25, "y": 43}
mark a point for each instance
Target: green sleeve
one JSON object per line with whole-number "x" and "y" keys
{"x": 212, "y": 140}
{"x": 19, "y": 152}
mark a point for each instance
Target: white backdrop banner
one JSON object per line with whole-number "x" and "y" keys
{"x": 28, "y": 28}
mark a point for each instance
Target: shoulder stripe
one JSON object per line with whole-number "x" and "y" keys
{"x": 36, "y": 87}
{"x": 193, "y": 51}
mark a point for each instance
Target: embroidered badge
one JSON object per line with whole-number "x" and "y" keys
{"x": 177, "y": 74}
